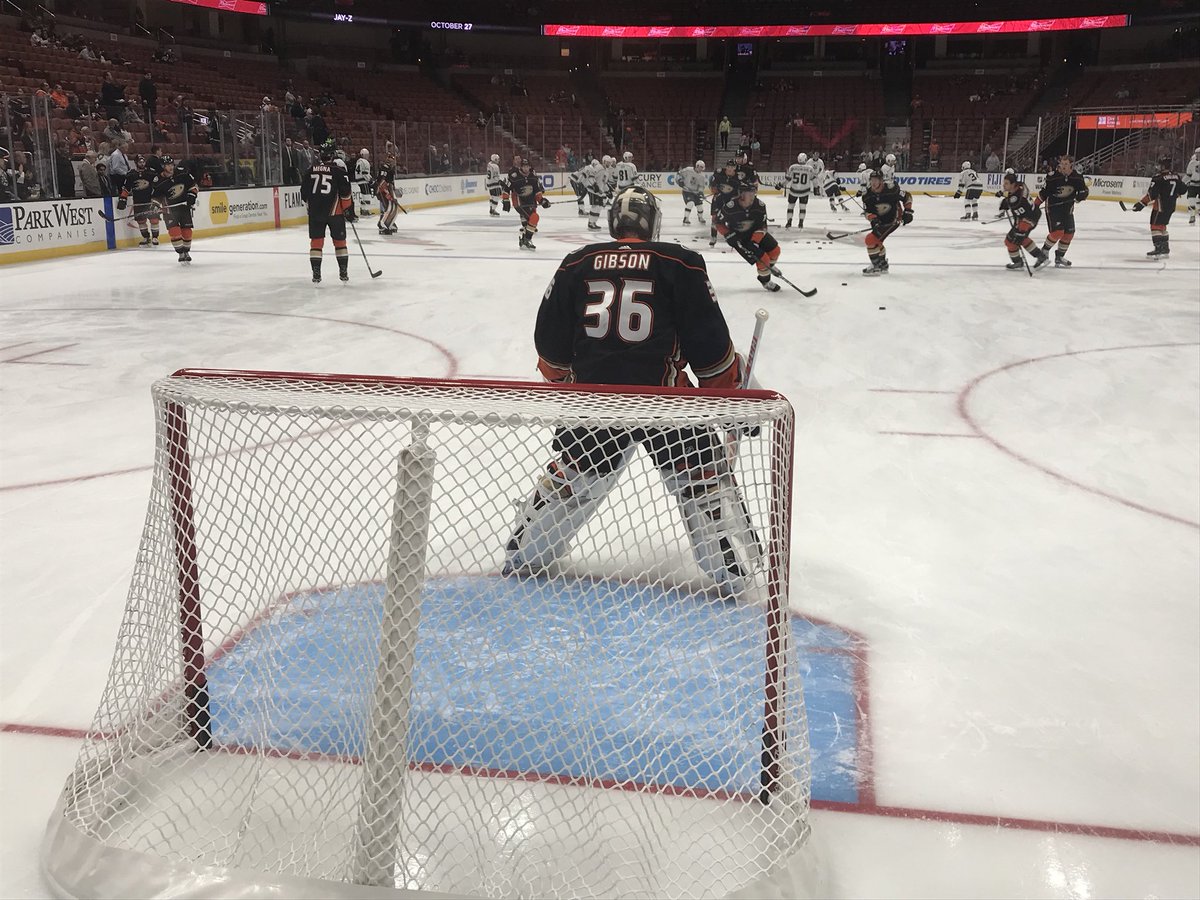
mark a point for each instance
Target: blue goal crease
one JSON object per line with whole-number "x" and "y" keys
{"x": 567, "y": 679}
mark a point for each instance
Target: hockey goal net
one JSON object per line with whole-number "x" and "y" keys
{"x": 331, "y": 681}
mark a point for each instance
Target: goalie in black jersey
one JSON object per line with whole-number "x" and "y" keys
{"x": 388, "y": 193}
{"x": 635, "y": 310}
{"x": 139, "y": 185}
{"x": 326, "y": 189}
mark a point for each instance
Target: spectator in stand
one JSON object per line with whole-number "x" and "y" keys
{"x": 755, "y": 147}
{"x": 28, "y": 139}
{"x": 744, "y": 144}
{"x": 935, "y": 153}
{"x": 112, "y": 97}
{"x": 64, "y": 170}
{"x": 148, "y": 91}
{"x": 72, "y": 108}
{"x": 993, "y": 163}
{"x": 106, "y": 189}
{"x": 86, "y": 53}
{"x": 115, "y": 133}
{"x": 118, "y": 161}
{"x": 59, "y": 96}
{"x": 23, "y": 181}
{"x": 291, "y": 163}
{"x": 5, "y": 179}
{"x": 723, "y": 128}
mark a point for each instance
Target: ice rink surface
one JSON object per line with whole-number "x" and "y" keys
{"x": 997, "y": 486}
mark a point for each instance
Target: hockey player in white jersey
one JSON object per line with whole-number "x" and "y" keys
{"x": 578, "y": 182}
{"x": 362, "y": 177}
{"x": 494, "y": 182}
{"x": 1191, "y": 178}
{"x": 832, "y": 189}
{"x": 596, "y": 182}
{"x": 692, "y": 181}
{"x": 627, "y": 172}
{"x": 889, "y": 170}
{"x": 609, "y": 171}
{"x": 970, "y": 185}
{"x": 798, "y": 185}
{"x": 864, "y": 179}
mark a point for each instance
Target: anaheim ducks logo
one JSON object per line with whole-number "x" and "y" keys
{"x": 882, "y": 209}
{"x": 1064, "y": 192}
{"x": 527, "y": 190}
{"x": 175, "y": 192}
{"x": 141, "y": 184}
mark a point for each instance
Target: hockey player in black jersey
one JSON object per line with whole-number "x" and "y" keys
{"x": 886, "y": 207}
{"x": 139, "y": 185}
{"x": 1024, "y": 216}
{"x": 387, "y": 192}
{"x": 1064, "y": 188}
{"x": 724, "y": 188}
{"x": 1165, "y": 189}
{"x": 524, "y": 191}
{"x": 326, "y": 189}
{"x": 176, "y": 191}
{"x": 742, "y": 221}
{"x": 635, "y": 310}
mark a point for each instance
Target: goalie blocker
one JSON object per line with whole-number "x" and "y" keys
{"x": 636, "y": 311}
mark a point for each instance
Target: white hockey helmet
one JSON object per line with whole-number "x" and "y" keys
{"x": 890, "y": 159}
{"x": 495, "y": 158}
{"x": 802, "y": 158}
{"x": 966, "y": 165}
{"x": 1196, "y": 152}
{"x": 364, "y": 152}
{"x": 627, "y": 156}
{"x": 862, "y": 167}
{"x": 1010, "y": 171}
{"x": 699, "y": 165}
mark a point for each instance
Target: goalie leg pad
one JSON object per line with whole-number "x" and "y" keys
{"x": 695, "y": 470}
{"x": 566, "y": 495}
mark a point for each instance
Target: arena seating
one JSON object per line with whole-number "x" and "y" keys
{"x": 966, "y": 129}
{"x": 833, "y": 114}
{"x": 537, "y": 124}
{"x": 662, "y": 115}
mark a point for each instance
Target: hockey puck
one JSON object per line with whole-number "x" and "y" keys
{"x": 883, "y": 307}
{"x": 843, "y": 284}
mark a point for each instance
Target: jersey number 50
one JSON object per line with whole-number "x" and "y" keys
{"x": 634, "y": 317}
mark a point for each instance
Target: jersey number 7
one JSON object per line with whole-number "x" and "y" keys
{"x": 634, "y": 317}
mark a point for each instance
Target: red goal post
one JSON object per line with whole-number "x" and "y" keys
{"x": 323, "y": 677}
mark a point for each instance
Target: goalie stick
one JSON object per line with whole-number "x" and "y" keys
{"x": 743, "y": 511}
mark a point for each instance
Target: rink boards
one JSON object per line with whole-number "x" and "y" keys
{"x": 46, "y": 229}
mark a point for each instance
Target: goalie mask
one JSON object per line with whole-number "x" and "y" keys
{"x": 635, "y": 210}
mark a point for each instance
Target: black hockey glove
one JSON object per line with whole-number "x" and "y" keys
{"x": 545, "y": 204}
{"x": 191, "y": 200}
{"x": 957, "y": 194}
{"x": 907, "y": 217}
{"x": 349, "y": 214}
{"x": 506, "y": 206}
{"x": 121, "y": 203}
{"x": 1034, "y": 217}
{"x": 999, "y": 193}
{"x": 1139, "y": 206}
{"x": 879, "y": 229}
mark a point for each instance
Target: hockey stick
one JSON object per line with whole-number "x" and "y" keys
{"x": 760, "y": 321}
{"x": 132, "y": 215}
{"x": 1124, "y": 208}
{"x": 838, "y": 235}
{"x": 358, "y": 241}
{"x": 803, "y": 292}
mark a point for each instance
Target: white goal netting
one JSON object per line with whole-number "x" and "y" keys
{"x": 342, "y": 671}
